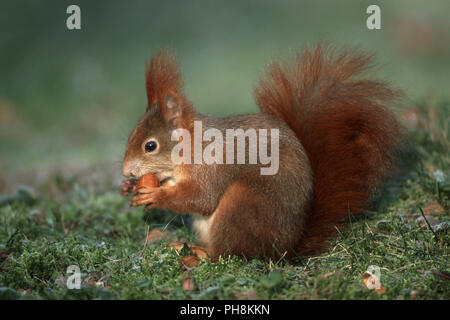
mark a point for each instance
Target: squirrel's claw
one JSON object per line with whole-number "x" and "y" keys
{"x": 129, "y": 186}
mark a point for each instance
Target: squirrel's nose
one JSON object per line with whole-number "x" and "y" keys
{"x": 126, "y": 170}
{"x": 125, "y": 173}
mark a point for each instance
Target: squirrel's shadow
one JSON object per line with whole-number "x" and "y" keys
{"x": 392, "y": 188}
{"x": 167, "y": 219}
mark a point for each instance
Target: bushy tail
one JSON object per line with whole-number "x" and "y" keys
{"x": 342, "y": 121}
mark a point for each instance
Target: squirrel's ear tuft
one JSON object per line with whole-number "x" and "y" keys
{"x": 172, "y": 111}
{"x": 164, "y": 86}
{"x": 163, "y": 76}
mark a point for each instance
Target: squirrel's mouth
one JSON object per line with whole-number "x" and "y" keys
{"x": 159, "y": 175}
{"x": 163, "y": 176}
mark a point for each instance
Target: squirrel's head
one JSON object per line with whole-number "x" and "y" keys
{"x": 150, "y": 146}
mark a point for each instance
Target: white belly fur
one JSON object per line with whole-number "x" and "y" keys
{"x": 201, "y": 226}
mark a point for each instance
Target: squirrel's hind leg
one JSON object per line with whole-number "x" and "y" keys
{"x": 241, "y": 225}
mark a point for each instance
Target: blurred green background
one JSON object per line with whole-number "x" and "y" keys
{"x": 68, "y": 99}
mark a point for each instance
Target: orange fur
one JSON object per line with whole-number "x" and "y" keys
{"x": 341, "y": 120}
{"x": 163, "y": 77}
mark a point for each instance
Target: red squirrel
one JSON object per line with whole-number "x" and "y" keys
{"x": 337, "y": 143}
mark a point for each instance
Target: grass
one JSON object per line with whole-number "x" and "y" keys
{"x": 66, "y": 222}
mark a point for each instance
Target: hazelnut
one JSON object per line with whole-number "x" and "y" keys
{"x": 148, "y": 180}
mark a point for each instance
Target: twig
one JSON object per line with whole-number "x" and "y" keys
{"x": 146, "y": 241}
{"x": 428, "y": 224}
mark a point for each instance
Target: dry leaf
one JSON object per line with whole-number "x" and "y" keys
{"x": 366, "y": 279}
{"x": 414, "y": 293}
{"x": 177, "y": 245}
{"x": 252, "y": 295}
{"x": 90, "y": 281}
{"x": 197, "y": 251}
{"x": 380, "y": 290}
{"x": 433, "y": 208}
{"x": 373, "y": 283}
{"x": 190, "y": 261}
{"x": 200, "y": 252}
{"x": 156, "y": 234}
{"x": 188, "y": 282}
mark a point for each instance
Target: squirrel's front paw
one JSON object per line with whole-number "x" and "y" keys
{"x": 129, "y": 186}
{"x": 152, "y": 197}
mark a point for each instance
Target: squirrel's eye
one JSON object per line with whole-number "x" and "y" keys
{"x": 151, "y": 146}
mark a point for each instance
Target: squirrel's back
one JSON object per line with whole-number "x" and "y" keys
{"x": 342, "y": 121}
